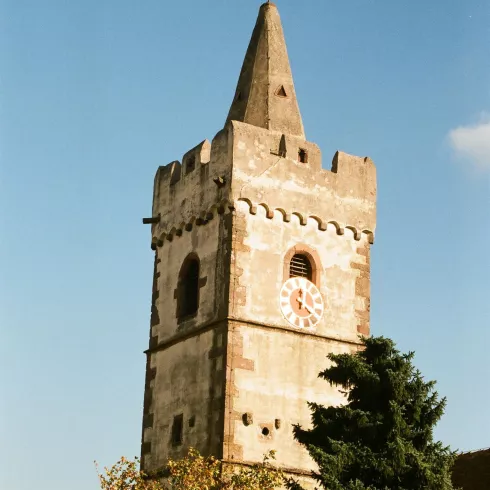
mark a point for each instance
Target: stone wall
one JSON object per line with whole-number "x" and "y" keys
{"x": 186, "y": 358}
{"x": 260, "y": 249}
{"x": 272, "y": 367}
{"x": 186, "y": 378}
{"x": 209, "y": 242}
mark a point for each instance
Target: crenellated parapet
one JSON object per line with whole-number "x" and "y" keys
{"x": 285, "y": 173}
{"x": 264, "y": 168}
{"x": 183, "y": 191}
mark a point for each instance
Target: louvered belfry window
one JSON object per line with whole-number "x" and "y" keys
{"x": 300, "y": 266}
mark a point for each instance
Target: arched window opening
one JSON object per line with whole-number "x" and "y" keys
{"x": 302, "y": 261}
{"x": 300, "y": 266}
{"x": 188, "y": 288}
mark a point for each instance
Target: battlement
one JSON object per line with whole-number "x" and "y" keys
{"x": 184, "y": 191}
{"x": 263, "y": 167}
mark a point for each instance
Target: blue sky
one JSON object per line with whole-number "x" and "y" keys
{"x": 96, "y": 94}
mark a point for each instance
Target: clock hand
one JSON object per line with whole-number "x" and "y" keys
{"x": 302, "y": 303}
{"x": 308, "y": 309}
{"x": 299, "y": 299}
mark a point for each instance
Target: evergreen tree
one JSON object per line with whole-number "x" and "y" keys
{"x": 383, "y": 437}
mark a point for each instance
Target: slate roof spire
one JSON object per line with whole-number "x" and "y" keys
{"x": 265, "y": 94}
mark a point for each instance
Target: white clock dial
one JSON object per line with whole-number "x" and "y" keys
{"x": 301, "y": 302}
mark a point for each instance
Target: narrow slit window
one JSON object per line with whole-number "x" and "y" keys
{"x": 300, "y": 266}
{"x": 302, "y": 156}
{"x": 177, "y": 429}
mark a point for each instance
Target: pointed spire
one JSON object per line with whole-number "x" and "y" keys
{"x": 265, "y": 95}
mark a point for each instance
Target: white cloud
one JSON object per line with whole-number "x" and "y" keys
{"x": 473, "y": 143}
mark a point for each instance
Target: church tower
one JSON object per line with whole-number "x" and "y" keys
{"x": 261, "y": 269}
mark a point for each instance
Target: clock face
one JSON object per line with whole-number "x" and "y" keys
{"x": 301, "y": 302}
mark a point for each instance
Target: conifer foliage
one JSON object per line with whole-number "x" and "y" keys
{"x": 383, "y": 437}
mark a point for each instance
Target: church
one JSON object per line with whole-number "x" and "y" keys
{"x": 262, "y": 268}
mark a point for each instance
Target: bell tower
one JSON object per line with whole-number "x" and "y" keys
{"x": 261, "y": 269}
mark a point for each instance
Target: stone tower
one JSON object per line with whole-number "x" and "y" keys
{"x": 261, "y": 269}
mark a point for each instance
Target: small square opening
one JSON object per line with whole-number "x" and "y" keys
{"x": 177, "y": 428}
{"x": 302, "y": 156}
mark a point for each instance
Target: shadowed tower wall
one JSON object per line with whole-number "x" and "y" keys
{"x": 229, "y": 367}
